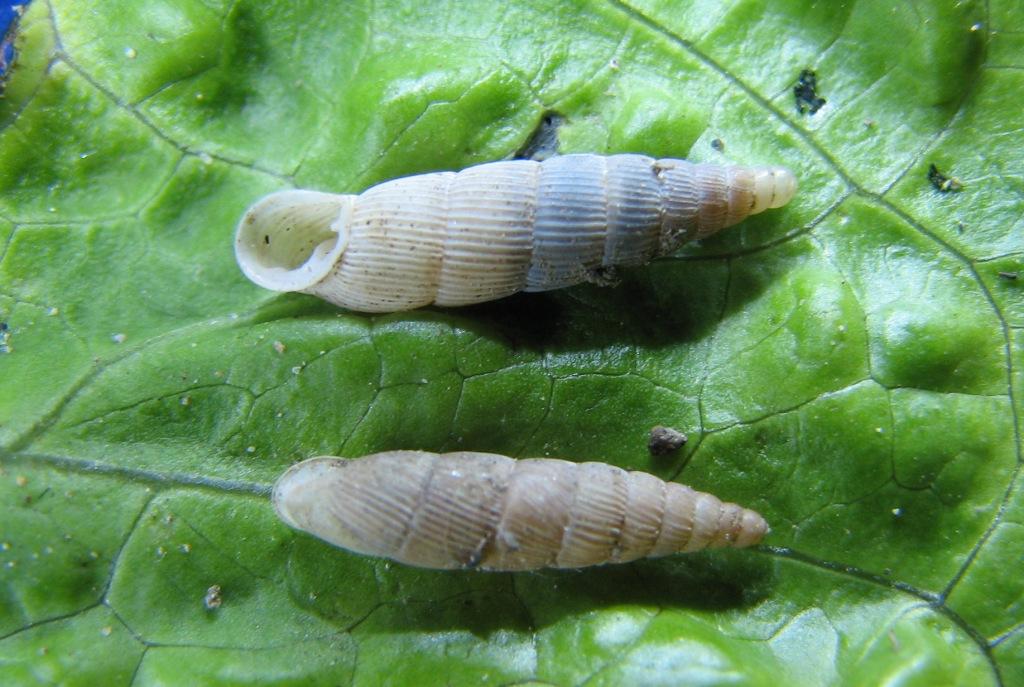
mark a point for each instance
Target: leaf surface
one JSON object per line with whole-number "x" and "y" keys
{"x": 850, "y": 365}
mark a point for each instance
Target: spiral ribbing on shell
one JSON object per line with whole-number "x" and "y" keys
{"x": 481, "y": 510}
{"x": 489, "y": 231}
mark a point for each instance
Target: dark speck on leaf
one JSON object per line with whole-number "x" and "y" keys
{"x": 943, "y": 183}
{"x": 718, "y": 144}
{"x": 1009, "y": 275}
{"x": 266, "y": 239}
{"x": 213, "y": 599}
{"x": 543, "y": 142}
{"x": 806, "y": 92}
{"x": 603, "y": 275}
{"x": 665, "y": 440}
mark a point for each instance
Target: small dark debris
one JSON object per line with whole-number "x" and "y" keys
{"x": 806, "y": 91}
{"x": 604, "y": 275}
{"x": 543, "y": 142}
{"x": 5, "y": 338}
{"x": 213, "y": 599}
{"x": 718, "y": 144}
{"x": 665, "y": 440}
{"x": 1009, "y": 275}
{"x": 474, "y": 559}
{"x": 266, "y": 239}
{"x": 943, "y": 183}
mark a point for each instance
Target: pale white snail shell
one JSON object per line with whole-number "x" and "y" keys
{"x": 481, "y": 510}
{"x": 489, "y": 231}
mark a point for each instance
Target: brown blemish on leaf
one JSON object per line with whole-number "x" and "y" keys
{"x": 665, "y": 440}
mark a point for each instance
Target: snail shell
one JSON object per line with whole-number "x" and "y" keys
{"x": 489, "y": 231}
{"x": 481, "y": 510}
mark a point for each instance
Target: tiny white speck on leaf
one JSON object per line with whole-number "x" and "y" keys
{"x": 53, "y": 311}
{"x": 130, "y": 53}
{"x": 21, "y": 480}
{"x": 279, "y": 347}
{"x": 106, "y": 631}
{"x": 118, "y": 338}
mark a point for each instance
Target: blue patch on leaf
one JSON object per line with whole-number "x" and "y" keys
{"x": 9, "y": 15}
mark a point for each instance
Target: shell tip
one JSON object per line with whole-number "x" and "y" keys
{"x": 785, "y": 183}
{"x": 753, "y": 529}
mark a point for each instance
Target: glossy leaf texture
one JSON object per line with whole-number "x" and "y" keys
{"x": 850, "y": 365}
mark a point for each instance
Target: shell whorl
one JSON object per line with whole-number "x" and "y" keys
{"x": 489, "y": 231}
{"x": 469, "y": 510}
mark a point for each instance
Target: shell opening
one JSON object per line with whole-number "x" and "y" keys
{"x": 290, "y": 240}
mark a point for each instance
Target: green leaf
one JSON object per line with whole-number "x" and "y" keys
{"x": 849, "y": 365}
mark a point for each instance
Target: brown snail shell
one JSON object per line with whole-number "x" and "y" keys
{"x": 481, "y": 510}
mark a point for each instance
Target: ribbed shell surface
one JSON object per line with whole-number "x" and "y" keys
{"x": 465, "y": 510}
{"x": 455, "y": 238}
{"x": 492, "y": 230}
